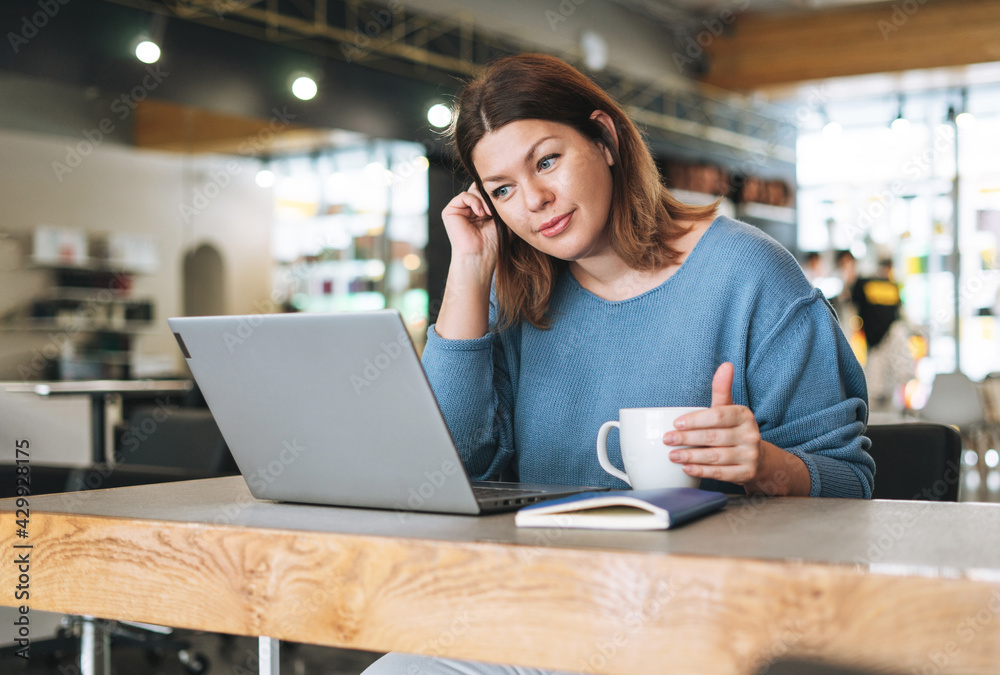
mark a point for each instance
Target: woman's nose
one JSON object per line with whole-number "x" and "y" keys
{"x": 537, "y": 195}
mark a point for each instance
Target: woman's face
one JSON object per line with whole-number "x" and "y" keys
{"x": 550, "y": 184}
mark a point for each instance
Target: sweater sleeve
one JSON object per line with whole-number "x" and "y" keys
{"x": 471, "y": 381}
{"x": 808, "y": 393}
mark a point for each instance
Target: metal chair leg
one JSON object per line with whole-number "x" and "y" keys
{"x": 269, "y": 655}
{"x": 95, "y": 648}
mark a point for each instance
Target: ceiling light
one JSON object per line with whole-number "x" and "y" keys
{"x": 964, "y": 119}
{"x": 304, "y": 87}
{"x": 147, "y": 51}
{"x": 439, "y": 115}
{"x": 266, "y": 178}
{"x": 832, "y": 129}
{"x": 900, "y": 123}
{"x": 374, "y": 169}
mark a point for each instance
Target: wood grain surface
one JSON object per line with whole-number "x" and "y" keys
{"x": 583, "y": 610}
{"x": 759, "y": 50}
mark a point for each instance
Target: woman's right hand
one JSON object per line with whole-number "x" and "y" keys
{"x": 471, "y": 231}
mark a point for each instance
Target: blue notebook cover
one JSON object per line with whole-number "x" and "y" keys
{"x": 623, "y": 509}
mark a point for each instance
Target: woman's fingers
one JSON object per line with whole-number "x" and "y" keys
{"x": 474, "y": 190}
{"x": 467, "y": 205}
{"x": 724, "y": 440}
{"x": 717, "y": 416}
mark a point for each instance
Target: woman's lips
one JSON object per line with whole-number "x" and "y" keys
{"x": 556, "y": 225}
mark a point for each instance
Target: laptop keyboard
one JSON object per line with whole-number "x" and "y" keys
{"x": 501, "y": 492}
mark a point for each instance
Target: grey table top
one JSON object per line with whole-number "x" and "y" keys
{"x": 931, "y": 539}
{"x": 99, "y": 387}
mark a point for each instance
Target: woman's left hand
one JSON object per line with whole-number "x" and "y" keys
{"x": 726, "y": 438}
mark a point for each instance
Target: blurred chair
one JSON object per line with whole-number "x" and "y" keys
{"x": 989, "y": 389}
{"x": 955, "y": 400}
{"x": 915, "y": 461}
{"x": 181, "y": 438}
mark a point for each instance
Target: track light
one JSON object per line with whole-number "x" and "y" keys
{"x": 147, "y": 44}
{"x": 304, "y": 88}
{"x": 439, "y": 115}
{"x": 900, "y": 123}
{"x": 147, "y": 51}
{"x": 266, "y": 178}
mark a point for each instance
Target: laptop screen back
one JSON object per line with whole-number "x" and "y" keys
{"x": 327, "y": 409}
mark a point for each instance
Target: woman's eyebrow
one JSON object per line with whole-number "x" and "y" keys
{"x": 527, "y": 159}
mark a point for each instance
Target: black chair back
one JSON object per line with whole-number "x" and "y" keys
{"x": 916, "y": 461}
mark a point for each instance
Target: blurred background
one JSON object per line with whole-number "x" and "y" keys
{"x": 193, "y": 157}
{"x": 241, "y": 156}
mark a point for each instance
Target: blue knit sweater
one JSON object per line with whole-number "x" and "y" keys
{"x": 526, "y": 404}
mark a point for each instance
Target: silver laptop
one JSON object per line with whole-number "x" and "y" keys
{"x": 336, "y": 409}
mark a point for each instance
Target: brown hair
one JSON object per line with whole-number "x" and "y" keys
{"x": 643, "y": 213}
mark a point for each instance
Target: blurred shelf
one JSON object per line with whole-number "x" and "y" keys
{"x": 88, "y": 265}
{"x": 775, "y": 214}
{"x": 28, "y": 324}
{"x": 82, "y": 294}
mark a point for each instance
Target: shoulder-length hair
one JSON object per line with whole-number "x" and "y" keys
{"x": 644, "y": 216}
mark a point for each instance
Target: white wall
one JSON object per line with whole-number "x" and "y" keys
{"x": 127, "y": 190}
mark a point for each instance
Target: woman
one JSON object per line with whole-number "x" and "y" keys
{"x": 578, "y": 286}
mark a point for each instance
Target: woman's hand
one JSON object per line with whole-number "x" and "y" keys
{"x": 471, "y": 230}
{"x": 465, "y": 308}
{"x": 728, "y": 446}
{"x": 726, "y": 437}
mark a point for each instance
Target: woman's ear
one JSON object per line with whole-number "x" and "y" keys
{"x": 604, "y": 119}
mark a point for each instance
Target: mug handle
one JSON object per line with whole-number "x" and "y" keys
{"x": 602, "y": 452}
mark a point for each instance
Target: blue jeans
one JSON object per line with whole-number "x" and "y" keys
{"x": 398, "y": 663}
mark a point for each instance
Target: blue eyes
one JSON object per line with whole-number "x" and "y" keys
{"x": 544, "y": 164}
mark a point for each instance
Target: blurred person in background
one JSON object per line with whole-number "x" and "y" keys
{"x": 812, "y": 267}
{"x": 889, "y": 364}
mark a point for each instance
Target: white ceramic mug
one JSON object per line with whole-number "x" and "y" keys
{"x": 646, "y": 457}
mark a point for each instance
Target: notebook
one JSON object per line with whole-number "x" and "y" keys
{"x": 623, "y": 509}
{"x": 335, "y": 409}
